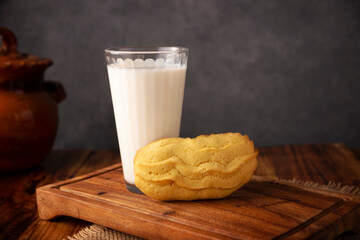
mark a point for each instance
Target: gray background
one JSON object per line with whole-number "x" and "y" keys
{"x": 283, "y": 72}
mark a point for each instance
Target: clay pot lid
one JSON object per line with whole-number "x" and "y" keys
{"x": 10, "y": 58}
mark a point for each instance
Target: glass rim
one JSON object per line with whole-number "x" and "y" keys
{"x": 146, "y": 50}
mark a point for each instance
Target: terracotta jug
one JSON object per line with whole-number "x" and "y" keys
{"x": 28, "y": 107}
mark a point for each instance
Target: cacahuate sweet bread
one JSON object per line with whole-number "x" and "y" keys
{"x": 205, "y": 167}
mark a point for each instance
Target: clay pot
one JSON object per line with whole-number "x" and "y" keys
{"x": 28, "y": 107}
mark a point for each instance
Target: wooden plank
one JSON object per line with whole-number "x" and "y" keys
{"x": 263, "y": 209}
{"x": 319, "y": 163}
{"x": 63, "y": 165}
{"x": 18, "y": 202}
{"x": 59, "y": 228}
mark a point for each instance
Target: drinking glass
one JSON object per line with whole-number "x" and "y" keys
{"x": 147, "y": 90}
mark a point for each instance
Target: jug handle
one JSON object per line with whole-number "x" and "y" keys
{"x": 8, "y": 42}
{"x": 55, "y": 90}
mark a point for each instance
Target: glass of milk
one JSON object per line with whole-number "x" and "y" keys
{"x": 147, "y": 89}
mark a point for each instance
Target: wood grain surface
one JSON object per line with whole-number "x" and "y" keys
{"x": 262, "y": 209}
{"x": 19, "y": 218}
{"x": 311, "y": 162}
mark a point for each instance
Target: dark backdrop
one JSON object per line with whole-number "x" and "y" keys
{"x": 282, "y": 72}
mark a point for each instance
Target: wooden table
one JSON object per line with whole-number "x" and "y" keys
{"x": 320, "y": 163}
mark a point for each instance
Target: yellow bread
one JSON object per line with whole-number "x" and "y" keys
{"x": 211, "y": 166}
{"x": 217, "y": 156}
{"x": 169, "y": 191}
{"x": 202, "y": 143}
{"x": 186, "y": 177}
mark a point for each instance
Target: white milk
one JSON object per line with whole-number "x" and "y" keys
{"x": 147, "y": 105}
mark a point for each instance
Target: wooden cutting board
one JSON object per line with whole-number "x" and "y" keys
{"x": 263, "y": 209}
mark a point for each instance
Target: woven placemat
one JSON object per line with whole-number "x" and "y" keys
{"x": 97, "y": 232}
